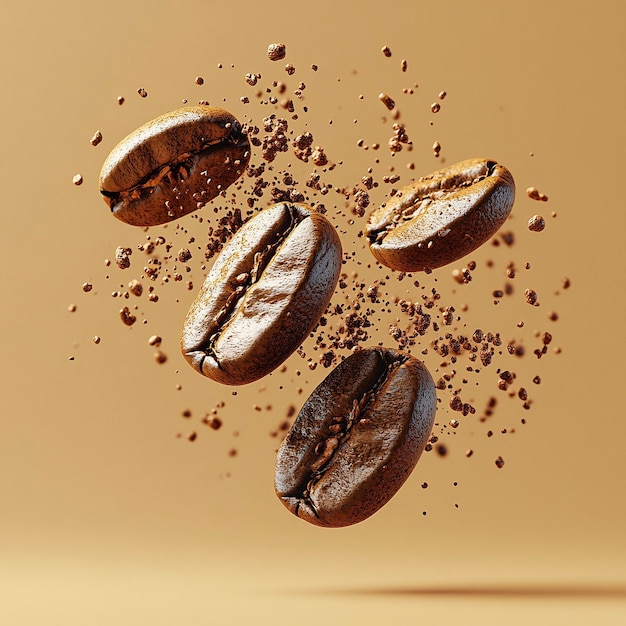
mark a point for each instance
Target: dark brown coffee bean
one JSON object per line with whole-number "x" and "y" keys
{"x": 357, "y": 438}
{"x": 265, "y": 293}
{"x": 173, "y": 165}
{"x": 442, "y": 217}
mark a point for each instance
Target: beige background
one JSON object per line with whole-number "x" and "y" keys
{"x": 108, "y": 518}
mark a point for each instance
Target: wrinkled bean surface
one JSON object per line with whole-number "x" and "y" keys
{"x": 357, "y": 438}
{"x": 442, "y": 217}
{"x": 264, "y": 294}
{"x": 173, "y": 165}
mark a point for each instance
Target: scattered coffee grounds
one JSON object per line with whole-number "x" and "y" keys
{"x": 268, "y": 152}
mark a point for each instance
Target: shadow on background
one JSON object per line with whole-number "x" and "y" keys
{"x": 513, "y": 591}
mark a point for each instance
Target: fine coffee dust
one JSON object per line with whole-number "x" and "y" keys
{"x": 485, "y": 370}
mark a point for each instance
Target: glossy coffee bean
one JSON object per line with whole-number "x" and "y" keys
{"x": 264, "y": 294}
{"x": 173, "y": 165}
{"x": 357, "y": 438}
{"x": 442, "y": 217}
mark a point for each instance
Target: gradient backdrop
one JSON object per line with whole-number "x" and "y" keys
{"x": 108, "y": 516}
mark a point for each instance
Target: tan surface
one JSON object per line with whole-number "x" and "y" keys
{"x": 108, "y": 518}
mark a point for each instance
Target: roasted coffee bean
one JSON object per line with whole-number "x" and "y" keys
{"x": 264, "y": 294}
{"x": 442, "y": 217}
{"x": 173, "y": 165}
{"x": 357, "y": 438}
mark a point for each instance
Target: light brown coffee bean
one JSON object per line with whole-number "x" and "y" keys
{"x": 357, "y": 438}
{"x": 264, "y": 294}
{"x": 173, "y": 165}
{"x": 442, "y": 217}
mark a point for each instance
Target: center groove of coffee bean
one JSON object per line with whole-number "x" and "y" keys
{"x": 245, "y": 280}
{"x": 339, "y": 431}
{"x": 430, "y": 192}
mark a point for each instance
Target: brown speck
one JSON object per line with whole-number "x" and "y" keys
{"x": 142, "y": 92}
{"x": 155, "y": 340}
{"x": 77, "y": 179}
{"x": 122, "y": 259}
{"x": 387, "y": 101}
{"x": 531, "y": 296}
{"x": 96, "y": 138}
{"x": 127, "y": 317}
{"x": 318, "y": 157}
{"x": 536, "y": 224}
{"x": 199, "y": 80}
{"x": 499, "y": 462}
{"x": 535, "y": 194}
{"x": 184, "y": 255}
{"x": 71, "y": 308}
{"x": 386, "y": 50}
{"x": 96, "y": 339}
{"x": 87, "y": 287}
{"x": 276, "y": 51}
{"x": 404, "y": 65}
{"x": 160, "y": 357}
{"x": 214, "y": 422}
{"x": 435, "y": 107}
{"x": 121, "y": 100}
{"x": 135, "y": 287}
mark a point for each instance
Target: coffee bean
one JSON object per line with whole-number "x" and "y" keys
{"x": 173, "y": 165}
{"x": 264, "y": 294}
{"x": 357, "y": 438}
{"x": 442, "y": 217}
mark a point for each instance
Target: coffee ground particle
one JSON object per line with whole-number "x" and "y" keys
{"x": 276, "y": 51}
{"x": 536, "y": 224}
